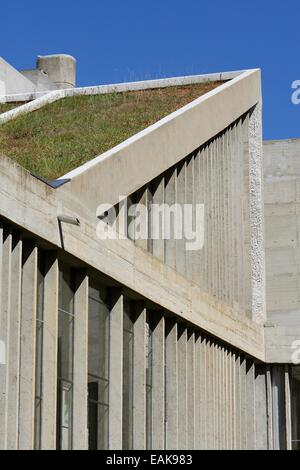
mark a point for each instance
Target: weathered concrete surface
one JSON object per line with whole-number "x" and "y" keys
{"x": 122, "y": 171}
{"x": 34, "y": 206}
{"x": 13, "y": 80}
{"x": 133, "y": 86}
{"x": 60, "y": 68}
{"x": 282, "y": 220}
{"x": 39, "y": 79}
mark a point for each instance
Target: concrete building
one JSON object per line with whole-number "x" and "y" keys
{"x": 132, "y": 343}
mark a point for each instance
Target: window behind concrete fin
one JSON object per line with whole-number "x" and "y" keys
{"x": 65, "y": 355}
{"x": 295, "y": 408}
{"x": 98, "y": 367}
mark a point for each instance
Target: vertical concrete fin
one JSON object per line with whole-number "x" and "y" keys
{"x": 158, "y": 382}
{"x": 139, "y": 378}
{"x": 171, "y": 386}
{"x": 80, "y": 405}
{"x": 49, "y": 355}
{"x": 14, "y": 343}
{"x": 28, "y": 345}
{"x": 6, "y": 251}
{"x": 115, "y": 371}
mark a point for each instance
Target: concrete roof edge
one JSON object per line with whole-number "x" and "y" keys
{"x": 93, "y": 162}
{"x": 131, "y": 86}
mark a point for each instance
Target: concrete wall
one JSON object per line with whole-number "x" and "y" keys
{"x": 134, "y": 163}
{"x": 40, "y": 80}
{"x": 282, "y": 203}
{"x": 14, "y": 81}
{"x": 220, "y": 394}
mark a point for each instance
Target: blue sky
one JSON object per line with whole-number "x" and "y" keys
{"x": 124, "y": 40}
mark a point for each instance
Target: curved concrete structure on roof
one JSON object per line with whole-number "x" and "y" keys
{"x": 60, "y": 68}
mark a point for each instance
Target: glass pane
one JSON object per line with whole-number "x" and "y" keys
{"x": 295, "y": 408}
{"x": 98, "y": 390}
{"x": 98, "y": 367}
{"x": 66, "y": 290}
{"x": 65, "y": 353}
{"x": 65, "y": 346}
{"x": 98, "y": 426}
{"x": 64, "y": 415}
{"x": 37, "y": 423}
{"x": 98, "y": 338}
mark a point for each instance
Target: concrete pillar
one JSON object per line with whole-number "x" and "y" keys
{"x": 6, "y": 249}
{"x": 203, "y": 394}
{"x": 28, "y": 340}
{"x": 180, "y": 188}
{"x": 250, "y": 390}
{"x": 270, "y": 408}
{"x": 209, "y": 396}
{"x": 141, "y": 198}
{"x": 170, "y": 199}
{"x": 157, "y": 198}
{"x": 191, "y": 385}
{"x": 49, "y": 355}
{"x": 116, "y": 371}
{"x": 197, "y": 395}
{"x": 172, "y": 437}
{"x": 60, "y": 68}
{"x": 243, "y": 403}
{"x": 189, "y": 200}
{"x": 139, "y": 378}
{"x": 287, "y": 399}
{"x": 182, "y": 388}
{"x": 261, "y": 417}
{"x": 158, "y": 382}
{"x": 14, "y": 343}
{"x": 80, "y": 384}
{"x": 238, "y": 402}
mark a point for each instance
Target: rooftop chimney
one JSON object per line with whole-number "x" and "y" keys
{"x": 60, "y": 68}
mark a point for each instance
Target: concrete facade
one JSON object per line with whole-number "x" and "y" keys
{"x": 186, "y": 356}
{"x": 282, "y": 184}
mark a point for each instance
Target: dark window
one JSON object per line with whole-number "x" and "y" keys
{"x": 295, "y": 408}
{"x": 98, "y": 368}
{"x": 65, "y": 355}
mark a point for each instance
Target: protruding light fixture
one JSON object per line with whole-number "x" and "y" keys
{"x": 68, "y": 220}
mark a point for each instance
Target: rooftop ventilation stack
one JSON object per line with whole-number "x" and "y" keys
{"x": 60, "y": 68}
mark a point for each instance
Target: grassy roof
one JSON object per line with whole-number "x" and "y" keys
{"x": 63, "y": 135}
{"x": 8, "y": 106}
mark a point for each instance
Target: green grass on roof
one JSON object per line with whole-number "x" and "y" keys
{"x": 8, "y": 106}
{"x": 63, "y": 135}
